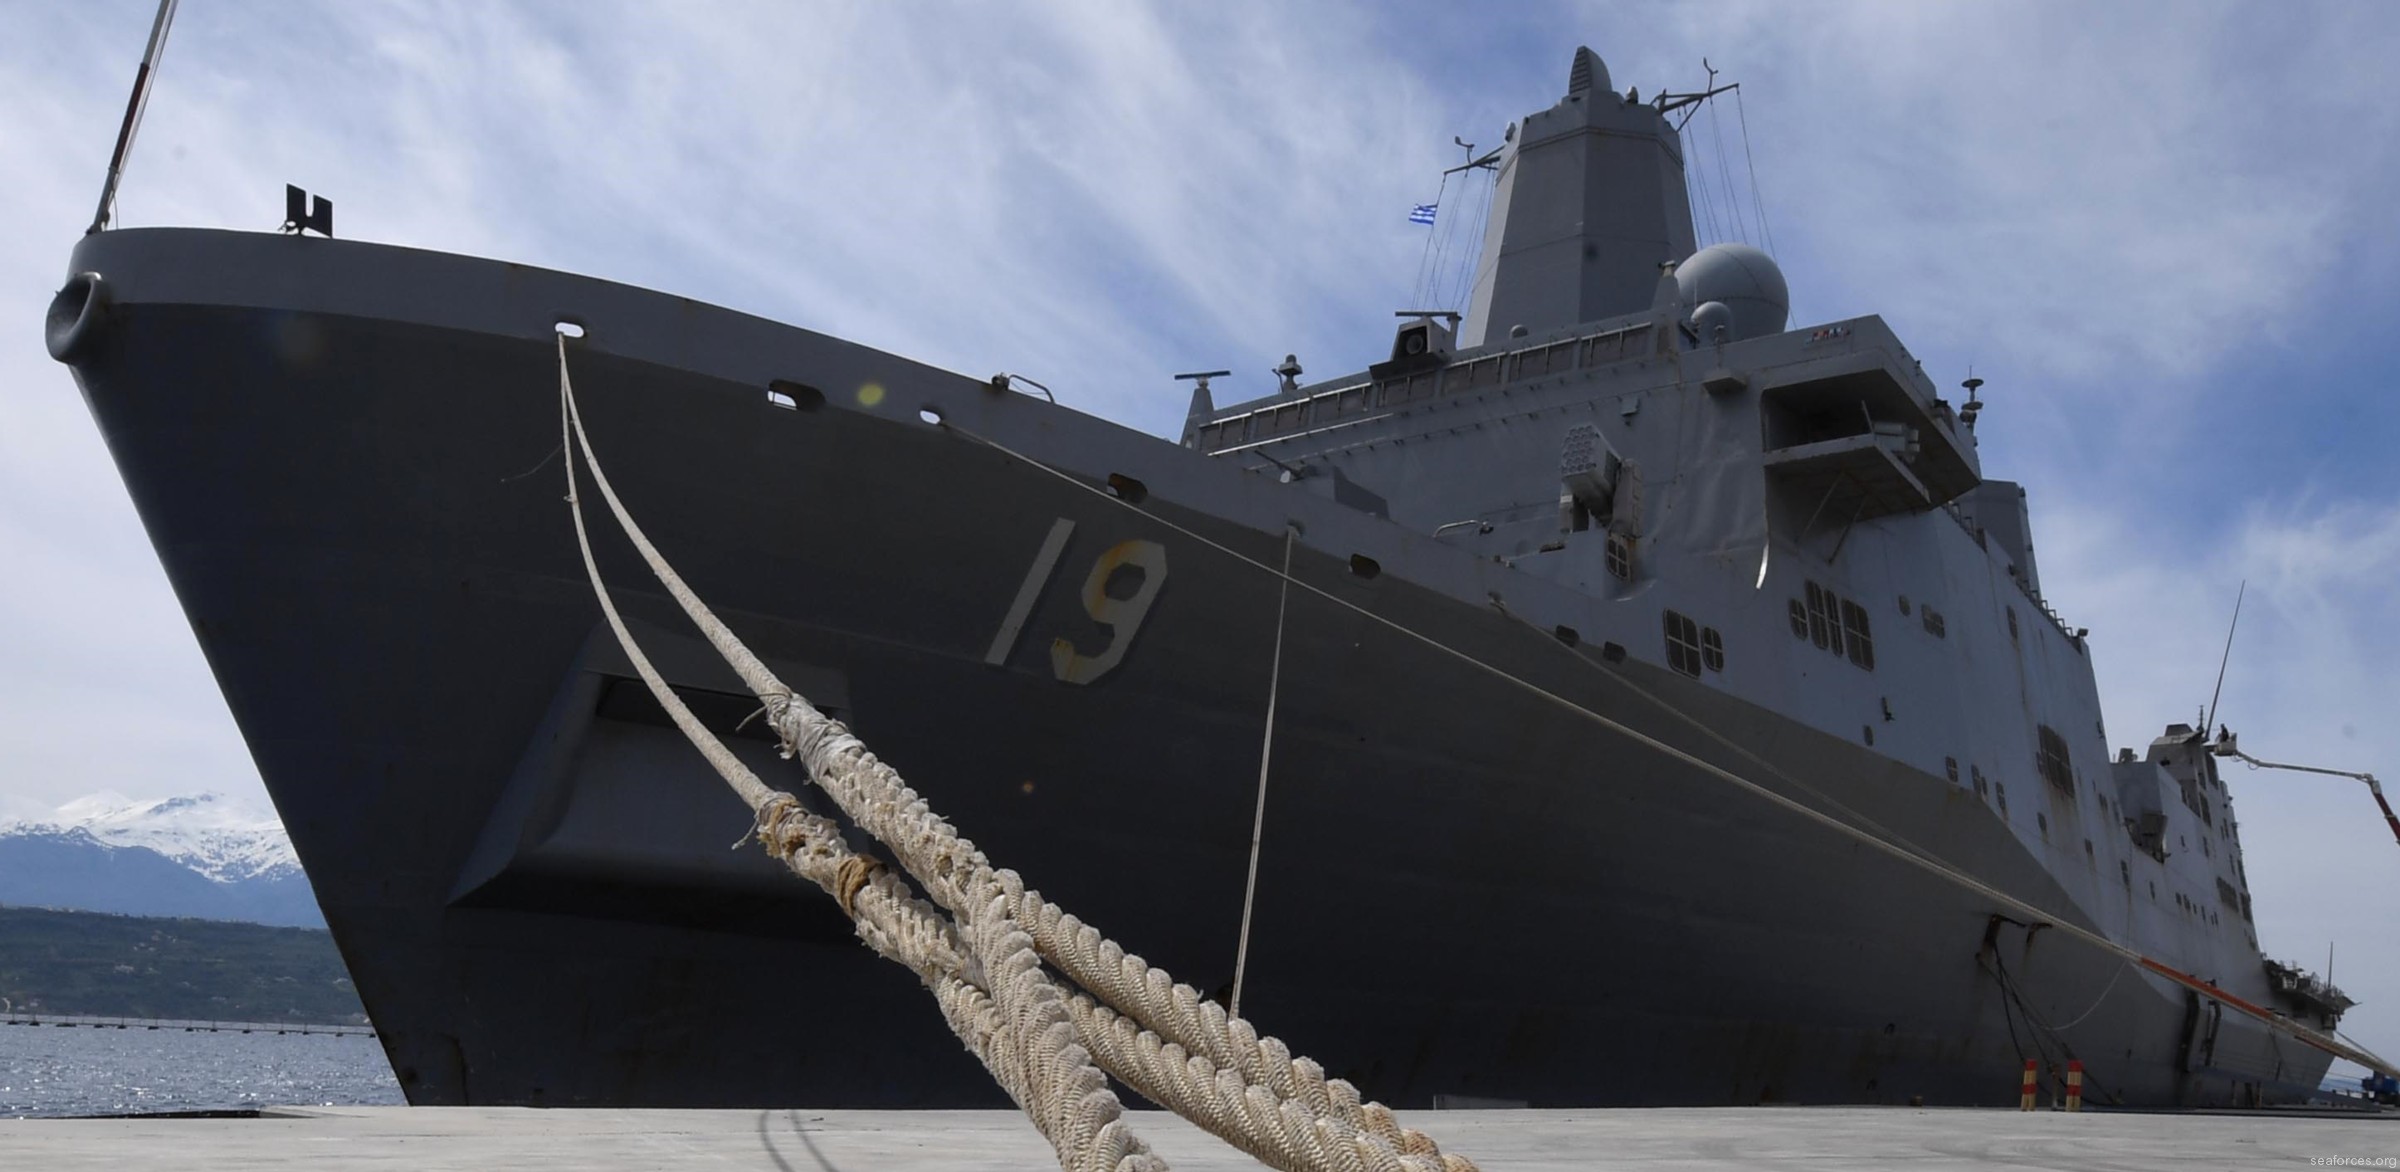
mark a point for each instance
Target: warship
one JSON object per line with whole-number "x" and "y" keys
{"x": 1567, "y": 560}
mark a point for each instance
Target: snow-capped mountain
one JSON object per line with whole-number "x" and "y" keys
{"x": 209, "y": 833}
{"x": 200, "y": 855}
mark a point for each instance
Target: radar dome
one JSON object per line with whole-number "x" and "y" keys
{"x": 1743, "y": 280}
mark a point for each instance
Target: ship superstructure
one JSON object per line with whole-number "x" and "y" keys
{"x": 1619, "y": 507}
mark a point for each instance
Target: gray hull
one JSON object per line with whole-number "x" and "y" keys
{"x": 1465, "y": 891}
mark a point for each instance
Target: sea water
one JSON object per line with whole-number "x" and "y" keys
{"x": 48, "y": 1070}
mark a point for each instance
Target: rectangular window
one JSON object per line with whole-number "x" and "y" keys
{"x": 1861, "y": 645}
{"x": 1683, "y": 644}
{"x": 1712, "y": 649}
{"x": 1816, "y": 614}
{"x": 1620, "y": 558}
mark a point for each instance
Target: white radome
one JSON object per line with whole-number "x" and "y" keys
{"x": 1745, "y": 281}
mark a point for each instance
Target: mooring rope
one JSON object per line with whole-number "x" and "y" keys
{"x": 981, "y": 942}
{"x": 1869, "y": 839}
{"x": 1266, "y": 755}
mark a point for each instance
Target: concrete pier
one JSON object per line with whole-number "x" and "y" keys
{"x": 1687, "y": 1140}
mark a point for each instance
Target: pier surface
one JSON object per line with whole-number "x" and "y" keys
{"x": 340, "y": 1139}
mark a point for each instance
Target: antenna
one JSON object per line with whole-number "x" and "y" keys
{"x": 2209, "y": 721}
{"x": 1968, "y": 410}
{"x": 1487, "y": 160}
{"x": 1200, "y": 377}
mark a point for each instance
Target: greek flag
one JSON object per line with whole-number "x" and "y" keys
{"x": 1421, "y": 214}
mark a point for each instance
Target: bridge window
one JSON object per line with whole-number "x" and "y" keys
{"x": 1683, "y": 644}
{"x": 1712, "y": 649}
{"x": 1817, "y": 625}
{"x": 1855, "y": 636}
{"x": 1836, "y": 624}
{"x": 1799, "y": 620}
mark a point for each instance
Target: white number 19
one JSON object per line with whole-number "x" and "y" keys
{"x": 1145, "y": 562}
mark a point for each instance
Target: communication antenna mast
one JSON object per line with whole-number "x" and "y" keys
{"x": 2209, "y": 721}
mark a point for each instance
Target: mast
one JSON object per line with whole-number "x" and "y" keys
{"x": 1589, "y": 204}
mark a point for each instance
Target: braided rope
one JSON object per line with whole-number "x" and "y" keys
{"x": 1012, "y": 1019}
{"x": 984, "y": 961}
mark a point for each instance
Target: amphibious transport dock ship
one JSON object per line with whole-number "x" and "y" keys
{"x": 1620, "y": 480}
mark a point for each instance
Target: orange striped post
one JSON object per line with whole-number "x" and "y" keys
{"x": 2075, "y": 1084}
{"x": 2025, "y": 1098}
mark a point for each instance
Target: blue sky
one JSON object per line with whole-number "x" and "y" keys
{"x": 2161, "y": 232}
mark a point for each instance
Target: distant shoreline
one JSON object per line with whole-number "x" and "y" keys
{"x": 56, "y": 963}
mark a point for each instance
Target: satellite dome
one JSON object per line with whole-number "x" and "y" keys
{"x": 1743, "y": 280}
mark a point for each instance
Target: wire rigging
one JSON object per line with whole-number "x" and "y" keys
{"x": 1716, "y": 132}
{"x": 1427, "y": 260}
{"x": 1478, "y": 198}
{"x": 1751, "y": 165}
{"x": 1695, "y": 176}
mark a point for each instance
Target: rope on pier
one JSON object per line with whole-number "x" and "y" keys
{"x": 981, "y": 943}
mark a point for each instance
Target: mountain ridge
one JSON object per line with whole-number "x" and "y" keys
{"x": 198, "y": 855}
